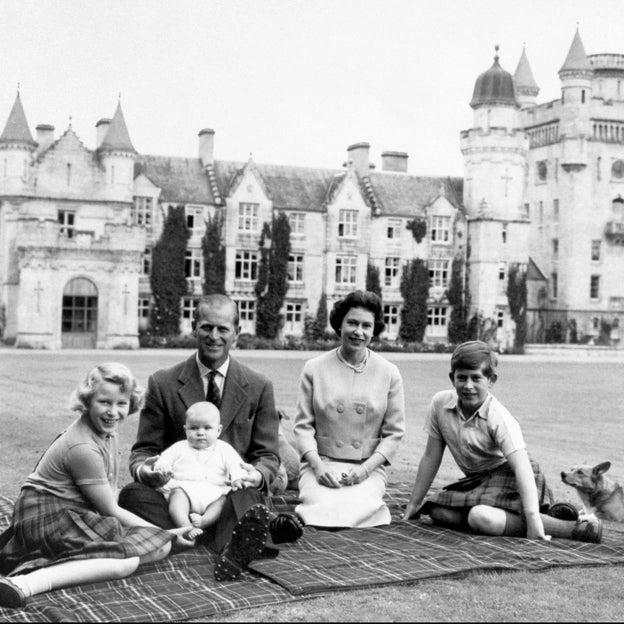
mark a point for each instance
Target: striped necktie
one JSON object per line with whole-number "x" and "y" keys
{"x": 213, "y": 395}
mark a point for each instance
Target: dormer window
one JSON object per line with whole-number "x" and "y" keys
{"x": 248, "y": 217}
{"x": 440, "y": 229}
{"x": 347, "y": 223}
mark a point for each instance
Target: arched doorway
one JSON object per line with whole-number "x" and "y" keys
{"x": 79, "y": 319}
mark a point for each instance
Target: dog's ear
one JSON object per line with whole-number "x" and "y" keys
{"x": 599, "y": 469}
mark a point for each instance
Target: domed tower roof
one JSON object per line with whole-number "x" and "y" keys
{"x": 494, "y": 87}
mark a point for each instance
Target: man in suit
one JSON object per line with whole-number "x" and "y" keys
{"x": 250, "y": 424}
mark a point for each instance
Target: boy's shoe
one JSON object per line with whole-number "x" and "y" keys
{"x": 563, "y": 511}
{"x": 588, "y": 531}
{"x": 285, "y": 527}
{"x": 247, "y": 543}
{"x": 11, "y": 595}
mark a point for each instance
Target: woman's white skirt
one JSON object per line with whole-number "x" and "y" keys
{"x": 354, "y": 506}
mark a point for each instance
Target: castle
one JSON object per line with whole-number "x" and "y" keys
{"x": 542, "y": 190}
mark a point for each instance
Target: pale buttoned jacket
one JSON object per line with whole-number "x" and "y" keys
{"x": 346, "y": 415}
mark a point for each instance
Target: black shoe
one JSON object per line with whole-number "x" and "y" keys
{"x": 285, "y": 527}
{"x": 588, "y": 531}
{"x": 247, "y": 543}
{"x": 563, "y": 511}
{"x": 11, "y": 595}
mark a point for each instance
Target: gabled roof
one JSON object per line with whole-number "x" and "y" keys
{"x": 287, "y": 187}
{"x": 117, "y": 137}
{"x": 181, "y": 180}
{"x": 16, "y": 129}
{"x": 523, "y": 76}
{"x": 576, "y": 59}
{"x": 401, "y": 194}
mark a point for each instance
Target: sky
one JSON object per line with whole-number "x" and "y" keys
{"x": 286, "y": 81}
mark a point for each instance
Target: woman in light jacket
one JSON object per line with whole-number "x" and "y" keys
{"x": 349, "y": 422}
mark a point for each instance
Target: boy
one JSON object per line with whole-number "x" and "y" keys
{"x": 504, "y": 491}
{"x": 201, "y": 470}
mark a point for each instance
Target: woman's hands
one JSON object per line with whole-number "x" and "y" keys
{"x": 329, "y": 478}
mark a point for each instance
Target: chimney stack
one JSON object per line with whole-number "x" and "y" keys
{"x": 101, "y": 128}
{"x": 357, "y": 157}
{"x": 45, "y": 136}
{"x": 206, "y": 146}
{"x": 394, "y": 161}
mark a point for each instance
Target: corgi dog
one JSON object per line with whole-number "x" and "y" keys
{"x": 600, "y": 495}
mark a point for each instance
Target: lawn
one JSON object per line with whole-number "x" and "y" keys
{"x": 570, "y": 412}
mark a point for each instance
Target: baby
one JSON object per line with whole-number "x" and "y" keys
{"x": 201, "y": 469}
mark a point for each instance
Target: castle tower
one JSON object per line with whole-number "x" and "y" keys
{"x": 576, "y": 92}
{"x": 16, "y": 148}
{"x": 495, "y": 152}
{"x": 117, "y": 155}
{"x": 524, "y": 82}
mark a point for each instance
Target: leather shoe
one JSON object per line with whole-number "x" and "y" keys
{"x": 11, "y": 595}
{"x": 247, "y": 543}
{"x": 588, "y": 531}
{"x": 285, "y": 527}
{"x": 563, "y": 511}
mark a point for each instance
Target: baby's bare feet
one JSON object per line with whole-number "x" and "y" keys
{"x": 193, "y": 534}
{"x": 195, "y": 519}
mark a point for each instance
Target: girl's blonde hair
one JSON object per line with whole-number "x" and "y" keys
{"x": 113, "y": 372}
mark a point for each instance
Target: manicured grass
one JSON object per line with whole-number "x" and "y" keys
{"x": 570, "y": 412}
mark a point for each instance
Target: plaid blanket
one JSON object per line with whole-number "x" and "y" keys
{"x": 182, "y": 587}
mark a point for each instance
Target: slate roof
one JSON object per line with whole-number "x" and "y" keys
{"x": 180, "y": 179}
{"x": 117, "y": 136}
{"x": 576, "y": 59}
{"x": 287, "y": 186}
{"x": 523, "y": 76}
{"x": 16, "y": 129}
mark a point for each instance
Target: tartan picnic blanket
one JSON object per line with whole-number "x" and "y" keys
{"x": 182, "y": 587}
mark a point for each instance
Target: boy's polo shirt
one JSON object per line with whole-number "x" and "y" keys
{"x": 480, "y": 442}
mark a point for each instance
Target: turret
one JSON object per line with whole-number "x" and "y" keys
{"x": 117, "y": 155}
{"x": 16, "y": 149}
{"x": 524, "y": 83}
{"x": 576, "y": 92}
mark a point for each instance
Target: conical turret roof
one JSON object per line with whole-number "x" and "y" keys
{"x": 523, "y": 77}
{"x": 117, "y": 137}
{"x": 494, "y": 87}
{"x": 576, "y": 59}
{"x": 16, "y": 129}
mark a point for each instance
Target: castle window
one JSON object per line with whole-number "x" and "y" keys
{"x": 553, "y": 285}
{"x": 556, "y": 210}
{"x": 542, "y": 170}
{"x": 346, "y": 269}
{"x": 147, "y": 261}
{"x": 143, "y": 310}
{"x": 394, "y": 228}
{"x": 247, "y": 310}
{"x": 595, "y": 249}
{"x": 555, "y": 248}
{"x": 187, "y": 305}
{"x": 502, "y": 271}
{"x": 500, "y": 317}
{"x": 192, "y": 263}
{"x": 617, "y": 169}
{"x": 594, "y": 287}
{"x": 296, "y": 220}
{"x": 582, "y": 96}
{"x": 248, "y": 217}
{"x": 436, "y": 316}
{"x": 295, "y": 268}
{"x": 504, "y": 233}
{"x": 347, "y": 223}
{"x": 391, "y": 319}
{"x": 194, "y": 219}
{"x": 391, "y": 274}
{"x": 246, "y": 265}
{"x": 440, "y": 229}
{"x": 294, "y": 314}
{"x": 66, "y": 218}
{"x": 141, "y": 211}
{"x": 438, "y": 273}
{"x": 68, "y": 174}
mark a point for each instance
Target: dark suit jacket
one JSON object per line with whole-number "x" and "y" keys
{"x": 248, "y": 414}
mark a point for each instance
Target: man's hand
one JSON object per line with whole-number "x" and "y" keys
{"x": 150, "y": 476}
{"x": 253, "y": 478}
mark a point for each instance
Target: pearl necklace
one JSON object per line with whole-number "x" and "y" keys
{"x": 358, "y": 368}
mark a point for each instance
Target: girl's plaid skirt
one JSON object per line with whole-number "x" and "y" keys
{"x": 496, "y": 488}
{"x": 47, "y": 530}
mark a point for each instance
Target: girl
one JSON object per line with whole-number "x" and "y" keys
{"x": 67, "y": 527}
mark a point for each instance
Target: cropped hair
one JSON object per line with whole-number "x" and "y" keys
{"x": 472, "y": 355}
{"x": 113, "y": 372}
{"x": 217, "y": 301}
{"x": 358, "y": 299}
